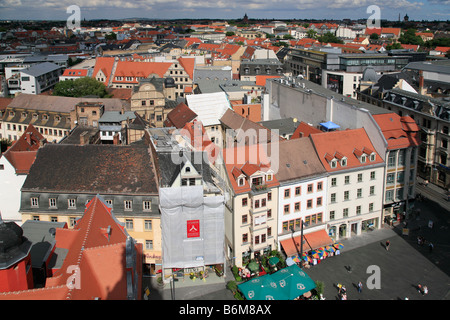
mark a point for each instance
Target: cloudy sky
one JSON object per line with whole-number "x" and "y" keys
{"x": 225, "y": 9}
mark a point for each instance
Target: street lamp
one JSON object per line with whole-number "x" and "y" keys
{"x": 301, "y": 241}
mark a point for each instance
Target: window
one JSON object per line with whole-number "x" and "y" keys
{"x": 345, "y": 213}
{"x": 148, "y": 225}
{"x": 54, "y": 219}
{"x": 390, "y": 178}
{"x": 298, "y": 191}
{"x": 373, "y": 157}
{"x": 129, "y": 224}
{"x": 358, "y": 210}
{"x": 36, "y": 218}
{"x": 319, "y": 186}
{"x": 256, "y": 204}
{"x": 269, "y": 213}
{"x": 309, "y": 204}
{"x": 109, "y": 202}
{"x": 363, "y": 158}
{"x": 359, "y": 193}
{"x": 244, "y": 202}
{"x": 310, "y": 188}
{"x": 72, "y": 221}
{"x": 269, "y": 177}
{"x": 297, "y": 206}
{"x": 263, "y": 202}
{"x": 333, "y": 163}
{"x": 128, "y": 204}
{"x": 245, "y": 238}
{"x": 244, "y": 219}
{"x": 333, "y": 182}
{"x": 332, "y": 213}
{"x": 346, "y": 195}
{"x": 71, "y": 204}
{"x": 287, "y": 193}
{"x": 286, "y": 209}
{"x": 372, "y": 190}
{"x": 52, "y": 202}
{"x": 344, "y": 162}
{"x": 391, "y": 160}
{"x": 269, "y": 196}
{"x": 149, "y": 244}
{"x": 241, "y": 182}
{"x": 333, "y": 197}
{"x": 372, "y": 175}
{"x": 34, "y": 202}
{"x": 319, "y": 201}
{"x": 147, "y": 205}
{"x": 370, "y": 207}
{"x": 347, "y": 179}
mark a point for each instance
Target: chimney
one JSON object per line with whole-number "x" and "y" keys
{"x": 84, "y": 138}
{"x": 422, "y": 89}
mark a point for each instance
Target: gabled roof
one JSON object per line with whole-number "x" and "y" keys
{"x": 23, "y": 152}
{"x": 188, "y": 65}
{"x": 139, "y": 69}
{"x": 304, "y": 130}
{"x": 399, "y": 132}
{"x": 179, "y": 116}
{"x": 92, "y": 168}
{"x": 97, "y": 246}
{"x": 209, "y": 107}
{"x": 339, "y": 144}
{"x": 104, "y": 64}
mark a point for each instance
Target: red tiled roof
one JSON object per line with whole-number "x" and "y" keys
{"x": 399, "y": 132}
{"x": 261, "y": 79}
{"x": 75, "y": 73}
{"x": 188, "y": 65}
{"x": 304, "y": 130}
{"x": 139, "y": 69}
{"x": 341, "y": 144}
{"x": 104, "y": 64}
{"x": 179, "y": 116}
{"x": 23, "y": 152}
{"x": 99, "y": 256}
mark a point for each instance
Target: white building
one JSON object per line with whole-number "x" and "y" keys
{"x": 355, "y": 181}
{"x": 40, "y": 77}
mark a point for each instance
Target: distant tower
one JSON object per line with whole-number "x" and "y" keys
{"x": 245, "y": 19}
{"x": 406, "y": 18}
{"x": 399, "y": 17}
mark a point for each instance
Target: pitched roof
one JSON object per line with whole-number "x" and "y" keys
{"x": 179, "y": 116}
{"x": 188, "y": 65}
{"x": 23, "y": 152}
{"x": 304, "y": 130}
{"x": 92, "y": 168}
{"x": 209, "y": 107}
{"x": 341, "y": 144}
{"x": 104, "y": 64}
{"x": 59, "y": 104}
{"x": 399, "y": 132}
{"x": 139, "y": 69}
{"x": 97, "y": 245}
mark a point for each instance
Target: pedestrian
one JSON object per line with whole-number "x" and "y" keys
{"x": 388, "y": 243}
{"x": 430, "y": 246}
{"x": 419, "y": 288}
{"x": 425, "y": 290}
{"x": 360, "y": 285}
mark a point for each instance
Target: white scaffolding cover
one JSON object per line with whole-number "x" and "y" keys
{"x": 179, "y": 205}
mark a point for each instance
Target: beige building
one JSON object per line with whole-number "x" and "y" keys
{"x": 153, "y": 99}
{"x": 251, "y": 211}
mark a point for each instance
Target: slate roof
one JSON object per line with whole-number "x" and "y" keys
{"x": 105, "y": 169}
{"x": 179, "y": 116}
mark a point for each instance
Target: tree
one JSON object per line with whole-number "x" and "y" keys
{"x": 329, "y": 37}
{"x": 409, "y": 37}
{"x": 229, "y": 34}
{"x": 394, "y": 46}
{"x": 374, "y": 36}
{"x": 312, "y": 34}
{"x": 4, "y": 144}
{"x": 80, "y": 87}
{"x": 288, "y": 37}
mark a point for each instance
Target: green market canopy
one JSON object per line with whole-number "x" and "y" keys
{"x": 285, "y": 284}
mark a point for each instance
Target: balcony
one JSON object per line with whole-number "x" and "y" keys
{"x": 258, "y": 189}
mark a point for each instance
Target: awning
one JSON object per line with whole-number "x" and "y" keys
{"x": 291, "y": 246}
{"x": 317, "y": 239}
{"x": 329, "y": 125}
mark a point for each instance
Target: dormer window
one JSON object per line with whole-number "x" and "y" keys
{"x": 269, "y": 177}
{"x": 187, "y": 170}
{"x": 241, "y": 182}
{"x": 45, "y": 117}
{"x": 363, "y": 158}
{"x": 344, "y": 162}
{"x": 24, "y": 114}
{"x": 373, "y": 157}
{"x": 333, "y": 163}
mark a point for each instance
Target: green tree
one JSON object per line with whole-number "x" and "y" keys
{"x": 409, "y": 37}
{"x": 80, "y": 87}
{"x": 288, "y": 37}
{"x": 394, "y": 46}
{"x": 374, "y": 36}
{"x": 312, "y": 34}
{"x": 329, "y": 37}
{"x": 4, "y": 144}
{"x": 229, "y": 34}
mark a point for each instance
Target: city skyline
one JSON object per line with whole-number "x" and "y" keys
{"x": 417, "y": 10}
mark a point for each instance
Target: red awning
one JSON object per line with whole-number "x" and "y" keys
{"x": 318, "y": 239}
{"x": 312, "y": 241}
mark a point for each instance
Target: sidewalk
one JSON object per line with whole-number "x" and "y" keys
{"x": 433, "y": 192}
